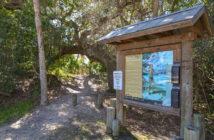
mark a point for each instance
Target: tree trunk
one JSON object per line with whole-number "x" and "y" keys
{"x": 96, "y": 52}
{"x": 42, "y": 67}
{"x": 161, "y": 3}
{"x": 107, "y": 60}
{"x": 110, "y": 69}
{"x": 155, "y": 8}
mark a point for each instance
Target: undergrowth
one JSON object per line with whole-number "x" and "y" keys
{"x": 15, "y": 111}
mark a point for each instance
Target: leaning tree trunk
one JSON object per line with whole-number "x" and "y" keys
{"x": 100, "y": 53}
{"x": 42, "y": 67}
{"x": 96, "y": 52}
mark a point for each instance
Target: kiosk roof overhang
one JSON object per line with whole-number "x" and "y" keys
{"x": 178, "y": 20}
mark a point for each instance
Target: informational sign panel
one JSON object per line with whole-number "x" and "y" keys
{"x": 133, "y": 76}
{"x": 118, "y": 80}
{"x": 148, "y": 77}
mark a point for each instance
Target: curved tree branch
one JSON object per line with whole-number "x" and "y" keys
{"x": 13, "y": 5}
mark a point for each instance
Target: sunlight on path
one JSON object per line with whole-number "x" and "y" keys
{"x": 61, "y": 121}
{"x": 45, "y": 122}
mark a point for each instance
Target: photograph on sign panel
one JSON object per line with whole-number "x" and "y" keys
{"x": 157, "y": 84}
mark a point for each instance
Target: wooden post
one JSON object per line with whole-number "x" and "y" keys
{"x": 100, "y": 100}
{"x": 186, "y": 86}
{"x": 119, "y": 94}
{"x": 113, "y": 102}
{"x": 115, "y": 128}
{"x": 110, "y": 118}
{"x": 199, "y": 123}
{"x": 191, "y": 133}
{"x": 172, "y": 135}
{"x": 197, "y": 120}
{"x": 74, "y": 99}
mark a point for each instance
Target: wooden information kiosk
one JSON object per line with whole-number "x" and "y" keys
{"x": 155, "y": 57}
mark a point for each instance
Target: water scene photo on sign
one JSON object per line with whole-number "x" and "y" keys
{"x": 157, "y": 84}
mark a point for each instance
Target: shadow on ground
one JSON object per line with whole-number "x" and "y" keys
{"x": 80, "y": 128}
{"x": 61, "y": 121}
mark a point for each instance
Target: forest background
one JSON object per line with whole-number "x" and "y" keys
{"x": 71, "y": 29}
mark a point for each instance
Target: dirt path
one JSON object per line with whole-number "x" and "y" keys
{"x": 59, "y": 120}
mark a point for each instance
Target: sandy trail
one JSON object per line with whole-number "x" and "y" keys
{"x": 60, "y": 120}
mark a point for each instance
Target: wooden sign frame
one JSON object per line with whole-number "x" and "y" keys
{"x": 177, "y": 35}
{"x": 176, "y": 48}
{"x": 182, "y": 46}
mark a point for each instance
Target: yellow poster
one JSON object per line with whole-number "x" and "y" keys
{"x": 133, "y": 75}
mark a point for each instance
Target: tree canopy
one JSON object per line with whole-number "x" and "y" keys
{"x": 74, "y": 26}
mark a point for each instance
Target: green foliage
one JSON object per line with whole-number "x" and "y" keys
{"x": 204, "y": 79}
{"x": 63, "y": 21}
{"x": 8, "y": 113}
{"x": 17, "y": 55}
{"x": 65, "y": 66}
{"x": 204, "y": 75}
{"x": 96, "y": 68}
{"x": 70, "y": 65}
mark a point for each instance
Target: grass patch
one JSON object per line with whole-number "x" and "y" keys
{"x": 15, "y": 111}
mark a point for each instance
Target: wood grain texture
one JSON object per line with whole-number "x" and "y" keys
{"x": 100, "y": 99}
{"x": 167, "y": 110}
{"x": 167, "y": 40}
{"x": 115, "y": 128}
{"x": 186, "y": 86}
{"x": 109, "y": 119}
{"x": 119, "y": 94}
{"x": 191, "y": 133}
{"x": 198, "y": 121}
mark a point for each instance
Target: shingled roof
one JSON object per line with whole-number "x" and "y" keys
{"x": 181, "y": 19}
